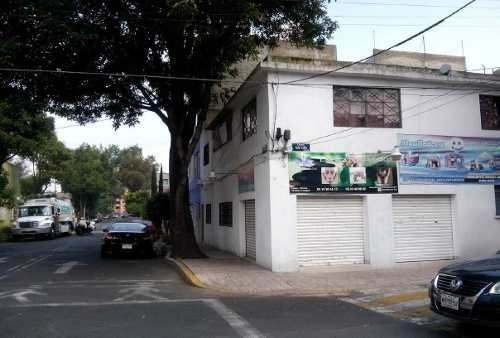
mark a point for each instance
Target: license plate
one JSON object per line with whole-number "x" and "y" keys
{"x": 450, "y": 302}
{"x": 127, "y": 246}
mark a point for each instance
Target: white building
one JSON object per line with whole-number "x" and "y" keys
{"x": 245, "y": 203}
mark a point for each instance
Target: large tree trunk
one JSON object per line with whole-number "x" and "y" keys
{"x": 184, "y": 241}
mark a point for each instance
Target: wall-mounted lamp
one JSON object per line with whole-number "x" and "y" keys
{"x": 395, "y": 154}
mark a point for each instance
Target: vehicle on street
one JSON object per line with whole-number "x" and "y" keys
{"x": 468, "y": 291}
{"x": 133, "y": 238}
{"x": 83, "y": 227}
{"x": 44, "y": 217}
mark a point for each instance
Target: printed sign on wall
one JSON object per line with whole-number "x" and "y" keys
{"x": 429, "y": 159}
{"x": 340, "y": 172}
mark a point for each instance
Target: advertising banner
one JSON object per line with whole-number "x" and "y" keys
{"x": 342, "y": 173}
{"x": 429, "y": 159}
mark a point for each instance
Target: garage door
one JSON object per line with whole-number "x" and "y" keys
{"x": 330, "y": 230}
{"x": 250, "y": 228}
{"x": 422, "y": 228}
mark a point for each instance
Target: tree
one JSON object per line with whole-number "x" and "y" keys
{"x": 7, "y": 196}
{"x": 23, "y": 125}
{"x": 135, "y": 203}
{"x": 178, "y": 39}
{"x": 154, "y": 182}
{"x": 86, "y": 176}
{"x": 47, "y": 162}
{"x": 134, "y": 169}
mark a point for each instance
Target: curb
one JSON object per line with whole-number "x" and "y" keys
{"x": 185, "y": 273}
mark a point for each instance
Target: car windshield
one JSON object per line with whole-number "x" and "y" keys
{"x": 34, "y": 211}
{"x": 128, "y": 227}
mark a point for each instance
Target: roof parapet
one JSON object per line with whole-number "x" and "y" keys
{"x": 421, "y": 60}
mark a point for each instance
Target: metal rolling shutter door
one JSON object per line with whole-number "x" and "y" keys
{"x": 330, "y": 230}
{"x": 422, "y": 228}
{"x": 250, "y": 229}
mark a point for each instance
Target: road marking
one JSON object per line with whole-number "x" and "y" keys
{"x": 21, "y": 295}
{"x": 64, "y": 268}
{"x": 3, "y": 260}
{"x": 145, "y": 290}
{"x": 238, "y": 323}
{"x": 85, "y": 304}
{"x": 24, "y": 266}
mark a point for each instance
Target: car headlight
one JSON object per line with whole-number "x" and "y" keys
{"x": 495, "y": 289}
{"x": 435, "y": 281}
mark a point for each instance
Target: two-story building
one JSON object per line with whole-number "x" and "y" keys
{"x": 314, "y": 161}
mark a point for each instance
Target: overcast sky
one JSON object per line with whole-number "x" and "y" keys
{"x": 363, "y": 25}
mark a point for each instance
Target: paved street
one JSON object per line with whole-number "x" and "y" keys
{"x": 62, "y": 288}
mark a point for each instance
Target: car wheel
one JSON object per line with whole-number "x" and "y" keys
{"x": 52, "y": 233}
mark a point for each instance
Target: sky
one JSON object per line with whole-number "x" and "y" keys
{"x": 363, "y": 25}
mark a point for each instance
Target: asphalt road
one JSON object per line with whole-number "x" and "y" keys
{"x": 62, "y": 288}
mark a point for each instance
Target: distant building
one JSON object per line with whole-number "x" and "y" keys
{"x": 165, "y": 184}
{"x": 119, "y": 207}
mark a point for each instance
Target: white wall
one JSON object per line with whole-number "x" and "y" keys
{"x": 308, "y": 113}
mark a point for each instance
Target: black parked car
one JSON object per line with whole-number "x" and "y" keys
{"x": 468, "y": 291}
{"x": 134, "y": 238}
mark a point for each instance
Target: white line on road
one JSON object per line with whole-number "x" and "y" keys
{"x": 238, "y": 323}
{"x": 129, "y": 302}
{"x": 24, "y": 266}
{"x": 64, "y": 268}
{"x": 3, "y": 260}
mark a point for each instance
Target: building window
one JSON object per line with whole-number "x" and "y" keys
{"x": 226, "y": 214}
{"x": 208, "y": 213}
{"x": 366, "y": 107}
{"x": 249, "y": 119}
{"x": 206, "y": 154}
{"x": 490, "y": 112}
{"x": 196, "y": 165}
{"x": 222, "y": 133}
{"x": 497, "y": 199}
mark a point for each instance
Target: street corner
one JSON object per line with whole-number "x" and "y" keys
{"x": 185, "y": 272}
{"x": 407, "y": 305}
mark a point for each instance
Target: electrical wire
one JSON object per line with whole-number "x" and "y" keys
{"x": 437, "y": 23}
{"x": 405, "y": 118}
{"x": 405, "y": 4}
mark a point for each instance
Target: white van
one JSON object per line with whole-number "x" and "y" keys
{"x": 48, "y": 217}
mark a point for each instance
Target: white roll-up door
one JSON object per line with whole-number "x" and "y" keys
{"x": 250, "y": 228}
{"x": 330, "y": 230}
{"x": 423, "y": 228}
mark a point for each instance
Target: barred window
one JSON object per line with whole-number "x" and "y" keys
{"x": 490, "y": 112}
{"x": 249, "y": 119}
{"x": 366, "y": 107}
{"x": 222, "y": 133}
{"x": 226, "y": 214}
{"x": 206, "y": 154}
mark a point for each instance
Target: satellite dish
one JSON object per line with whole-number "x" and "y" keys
{"x": 445, "y": 69}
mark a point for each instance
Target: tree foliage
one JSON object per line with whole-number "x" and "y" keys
{"x": 23, "y": 125}
{"x": 200, "y": 39}
{"x": 134, "y": 169}
{"x": 7, "y": 196}
{"x": 135, "y": 203}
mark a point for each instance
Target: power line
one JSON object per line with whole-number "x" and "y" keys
{"x": 407, "y": 117}
{"x": 391, "y": 47}
{"x": 407, "y": 5}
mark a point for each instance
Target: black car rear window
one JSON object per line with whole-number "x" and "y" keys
{"x": 128, "y": 227}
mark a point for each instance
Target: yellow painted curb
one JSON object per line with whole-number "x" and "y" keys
{"x": 400, "y": 298}
{"x": 186, "y": 273}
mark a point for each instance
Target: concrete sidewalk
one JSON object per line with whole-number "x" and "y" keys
{"x": 226, "y": 272}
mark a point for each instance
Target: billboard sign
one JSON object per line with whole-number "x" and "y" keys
{"x": 341, "y": 173}
{"x": 430, "y": 159}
